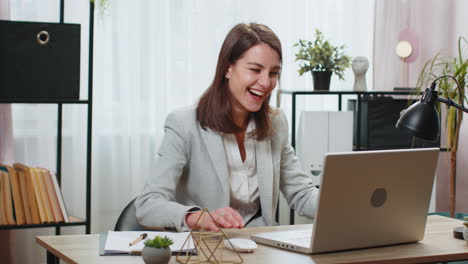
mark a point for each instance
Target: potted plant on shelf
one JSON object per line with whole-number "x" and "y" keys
{"x": 157, "y": 250}
{"x": 447, "y": 88}
{"x": 322, "y": 59}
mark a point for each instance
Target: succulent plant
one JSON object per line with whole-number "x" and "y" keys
{"x": 159, "y": 242}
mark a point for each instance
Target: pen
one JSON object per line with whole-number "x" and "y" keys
{"x": 138, "y": 239}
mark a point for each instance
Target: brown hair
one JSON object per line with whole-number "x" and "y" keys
{"x": 214, "y": 107}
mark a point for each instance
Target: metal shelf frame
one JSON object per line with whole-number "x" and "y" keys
{"x": 340, "y": 94}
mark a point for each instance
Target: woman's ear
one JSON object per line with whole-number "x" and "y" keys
{"x": 228, "y": 73}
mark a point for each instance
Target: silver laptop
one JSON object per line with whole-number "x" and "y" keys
{"x": 366, "y": 199}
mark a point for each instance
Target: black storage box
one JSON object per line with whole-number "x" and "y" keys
{"x": 379, "y": 115}
{"x": 39, "y": 61}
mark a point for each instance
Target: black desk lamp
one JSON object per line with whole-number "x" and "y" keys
{"x": 421, "y": 119}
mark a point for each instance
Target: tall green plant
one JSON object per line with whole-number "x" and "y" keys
{"x": 447, "y": 88}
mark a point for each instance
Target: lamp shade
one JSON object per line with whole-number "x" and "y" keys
{"x": 422, "y": 120}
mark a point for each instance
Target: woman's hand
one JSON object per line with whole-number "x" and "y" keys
{"x": 225, "y": 218}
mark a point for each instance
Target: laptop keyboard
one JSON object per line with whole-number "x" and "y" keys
{"x": 299, "y": 237}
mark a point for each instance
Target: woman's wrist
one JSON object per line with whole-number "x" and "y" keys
{"x": 189, "y": 217}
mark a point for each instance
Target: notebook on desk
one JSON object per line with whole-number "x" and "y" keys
{"x": 366, "y": 199}
{"x": 117, "y": 242}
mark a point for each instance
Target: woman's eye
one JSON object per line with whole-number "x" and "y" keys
{"x": 255, "y": 70}
{"x": 274, "y": 74}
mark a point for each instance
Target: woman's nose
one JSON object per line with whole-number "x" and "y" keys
{"x": 264, "y": 80}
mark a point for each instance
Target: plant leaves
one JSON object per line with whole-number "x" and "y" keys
{"x": 321, "y": 55}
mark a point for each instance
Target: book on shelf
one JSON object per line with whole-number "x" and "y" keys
{"x": 63, "y": 209}
{"x": 3, "y": 220}
{"x": 38, "y": 195}
{"x": 24, "y": 194}
{"x": 30, "y": 195}
{"x": 5, "y": 190}
{"x": 2, "y": 206}
{"x": 16, "y": 194}
{"x": 44, "y": 196}
{"x": 53, "y": 197}
{"x": 44, "y": 199}
{"x": 47, "y": 201}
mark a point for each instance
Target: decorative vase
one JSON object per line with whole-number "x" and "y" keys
{"x": 152, "y": 255}
{"x": 360, "y": 66}
{"x": 465, "y": 234}
{"x": 321, "y": 80}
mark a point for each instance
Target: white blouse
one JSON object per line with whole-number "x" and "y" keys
{"x": 245, "y": 197}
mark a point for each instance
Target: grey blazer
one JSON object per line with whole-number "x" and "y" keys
{"x": 191, "y": 170}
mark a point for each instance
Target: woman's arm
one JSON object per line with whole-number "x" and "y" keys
{"x": 296, "y": 186}
{"x": 156, "y": 206}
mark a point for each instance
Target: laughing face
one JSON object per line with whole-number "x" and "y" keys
{"x": 252, "y": 78}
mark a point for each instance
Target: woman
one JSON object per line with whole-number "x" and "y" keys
{"x": 230, "y": 154}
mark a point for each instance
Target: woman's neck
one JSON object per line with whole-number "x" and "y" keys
{"x": 241, "y": 120}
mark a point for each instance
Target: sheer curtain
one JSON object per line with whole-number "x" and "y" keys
{"x": 156, "y": 56}
{"x": 151, "y": 57}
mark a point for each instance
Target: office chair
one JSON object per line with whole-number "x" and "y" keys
{"x": 127, "y": 220}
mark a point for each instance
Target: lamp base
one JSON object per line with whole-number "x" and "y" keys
{"x": 458, "y": 232}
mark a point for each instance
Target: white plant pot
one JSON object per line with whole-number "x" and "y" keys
{"x": 465, "y": 234}
{"x": 152, "y": 255}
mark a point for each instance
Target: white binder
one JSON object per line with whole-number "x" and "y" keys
{"x": 320, "y": 132}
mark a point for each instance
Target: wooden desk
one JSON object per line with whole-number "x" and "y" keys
{"x": 437, "y": 246}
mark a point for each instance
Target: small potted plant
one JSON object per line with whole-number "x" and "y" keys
{"x": 157, "y": 250}
{"x": 322, "y": 59}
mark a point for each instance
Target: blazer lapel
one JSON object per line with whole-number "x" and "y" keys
{"x": 265, "y": 177}
{"x": 215, "y": 148}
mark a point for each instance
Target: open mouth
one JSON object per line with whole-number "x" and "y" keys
{"x": 256, "y": 93}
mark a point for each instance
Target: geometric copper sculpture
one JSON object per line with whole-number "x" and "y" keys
{"x": 208, "y": 244}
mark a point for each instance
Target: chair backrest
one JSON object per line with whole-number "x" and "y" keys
{"x": 127, "y": 220}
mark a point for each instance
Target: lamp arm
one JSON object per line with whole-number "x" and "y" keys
{"x": 447, "y": 101}
{"x": 450, "y": 102}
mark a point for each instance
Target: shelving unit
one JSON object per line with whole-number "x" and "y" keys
{"x": 340, "y": 94}
{"x": 74, "y": 221}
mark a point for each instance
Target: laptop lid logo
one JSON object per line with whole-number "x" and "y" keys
{"x": 379, "y": 197}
